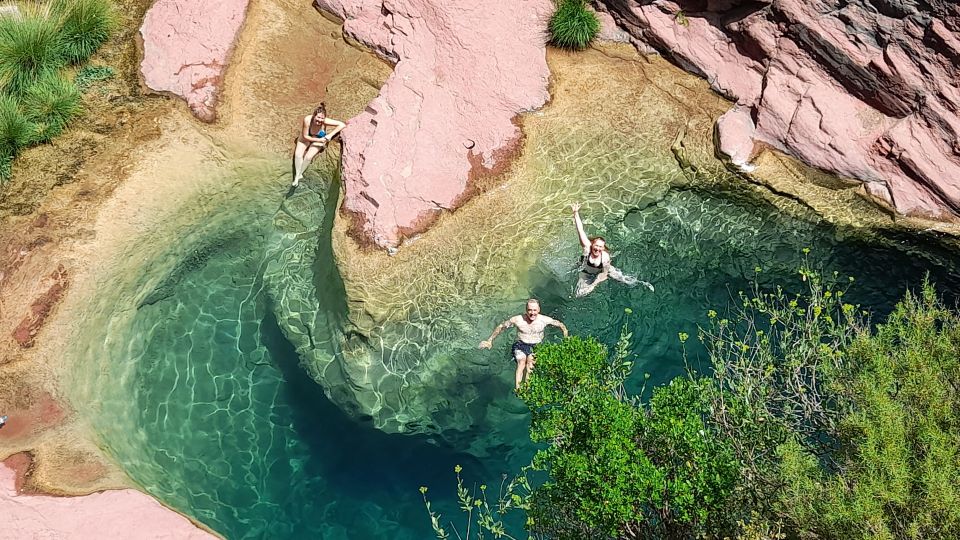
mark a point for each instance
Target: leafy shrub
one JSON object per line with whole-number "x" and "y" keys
{"x": 573, "y": 25}
{"x": 898, "y": 456}
{"x": 84, "y": 26}
{"x": 619, "y": 468}
{"x": 51, "y": 103}
{"x": 28, "y": 49}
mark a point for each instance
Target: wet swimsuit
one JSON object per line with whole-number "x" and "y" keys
{"x": 588, "y": 267}
{"x": 525, "y": 348}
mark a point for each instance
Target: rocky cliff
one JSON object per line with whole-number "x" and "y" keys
{"x": 867, "y": 89}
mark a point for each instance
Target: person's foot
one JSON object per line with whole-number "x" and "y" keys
{"x": 296, "y": 181}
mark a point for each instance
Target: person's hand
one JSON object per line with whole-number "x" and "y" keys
{"x": 485, "y": 344}
{"x": 575, "y": 207}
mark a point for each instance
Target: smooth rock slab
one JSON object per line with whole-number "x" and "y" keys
{"x": 125, "y": 513}
{"x": 186, "y": 47}
{"x": 464, "y": 70}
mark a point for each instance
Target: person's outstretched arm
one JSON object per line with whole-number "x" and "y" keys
{"x": 337, "y": 128}
{"x": 496, "y": 332}
{"x": 584, "y": 239}
{"x": 561, "y": 326}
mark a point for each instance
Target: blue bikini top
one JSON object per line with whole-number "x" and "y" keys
{"x": 321, "y": 133}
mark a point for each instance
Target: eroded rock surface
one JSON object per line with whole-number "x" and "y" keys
{"x": 463, "y": 71}
{"x": 867, "y": 89}
{"x": 125, "y": 513}
{"x": 186, "y": 47}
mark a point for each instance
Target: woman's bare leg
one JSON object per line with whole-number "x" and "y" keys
{"x": 298, "y": 154}
{"x": 308, "y": 156}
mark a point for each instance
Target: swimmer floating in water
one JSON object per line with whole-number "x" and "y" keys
{"x": 595, "y": 265}
{"x": 317, "y": 131}
{"x": 530, "y": 329}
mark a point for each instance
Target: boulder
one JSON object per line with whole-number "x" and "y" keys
{"x": 445, "y": 117}
{"x": 186, "y": 48}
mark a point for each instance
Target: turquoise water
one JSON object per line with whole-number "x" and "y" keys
{"x": 234, "y": 432}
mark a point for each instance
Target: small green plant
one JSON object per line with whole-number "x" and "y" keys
{"x": 681, "y": 18}
{"x": 84, "y": 26}
{"x": 28, "y": 50}
{"x": 51, "y": 103}
{"x": 573, "y": 25}
{"x": 16, "y": 132}
{"x": 88, "y": 76}
{"x": 37, "y": 101}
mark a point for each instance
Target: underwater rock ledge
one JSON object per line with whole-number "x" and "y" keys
{"x": 864, "y": 89}
{"x": 463, "y": 71}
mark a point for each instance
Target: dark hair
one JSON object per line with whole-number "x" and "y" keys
{"x": 322, "y": 109}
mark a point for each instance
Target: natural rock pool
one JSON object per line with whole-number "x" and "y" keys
{"x": 208, "y": 379}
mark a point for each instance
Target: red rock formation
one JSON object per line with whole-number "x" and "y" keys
{"x": 463, "y": 71}
{"x": 866, "y": 89}
{"x": 41, "y": 308}
{"x": 186, "y": 47}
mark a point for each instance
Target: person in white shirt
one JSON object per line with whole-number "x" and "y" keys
{"x": 530, "y": 330}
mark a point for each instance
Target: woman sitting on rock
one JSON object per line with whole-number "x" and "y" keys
{"x": 595, "y": 265}
{"x": 317, "y": 131}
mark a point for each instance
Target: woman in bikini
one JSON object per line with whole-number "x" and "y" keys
{"x": 595, "y": 265}
{"x": 317, "y": 131}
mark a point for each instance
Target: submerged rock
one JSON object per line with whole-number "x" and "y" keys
{"x": 186, "y": 48}
{"x": 865, "y": 89}
{"x": 463, "y": 71}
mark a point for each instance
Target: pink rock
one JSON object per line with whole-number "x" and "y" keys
{"x": 464, "y": 70}
{"x": 186, "y": 47}
{"x": 735, "y": 134}
{"x": 841, "y": 86}
{"x": 124, "y": 513}
{"x": 609, "y": 31}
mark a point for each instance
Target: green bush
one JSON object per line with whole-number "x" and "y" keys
{"x": 29, "y": 48}
{"x": 16, "y": 132}
{"x": 619, "y": 468}
{"x": 573, "y": 25}
{"x": 51, "y": 103}
{"x": 898, "y": 456}
{"x": 84, "y": 26}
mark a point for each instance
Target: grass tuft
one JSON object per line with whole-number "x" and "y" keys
{"x": 573, "y": 25}
{"x": 16, "y": 132}
{"x": 51, "y": 103}
{"x": 84, "y": 26}
{"x": 28, "y": 49}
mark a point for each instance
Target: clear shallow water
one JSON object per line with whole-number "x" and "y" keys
{"x": 237, "y": 434}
